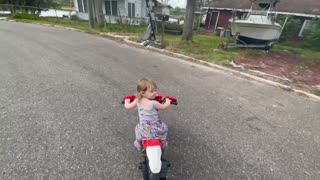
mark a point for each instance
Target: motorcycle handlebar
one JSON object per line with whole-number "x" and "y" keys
{"x": 157, "y": 98}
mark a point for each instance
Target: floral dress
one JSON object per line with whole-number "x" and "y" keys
{"x": 150, "y": 126}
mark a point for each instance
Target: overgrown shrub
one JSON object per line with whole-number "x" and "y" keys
{"x": 74, "y": 17}
{"x": 291, "y": 28}
{"x": 313, "y": 37}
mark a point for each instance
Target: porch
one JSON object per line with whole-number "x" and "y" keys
{"x": 117, "y": 11}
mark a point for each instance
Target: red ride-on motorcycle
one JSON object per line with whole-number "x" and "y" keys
{"x": 153, "y": 167}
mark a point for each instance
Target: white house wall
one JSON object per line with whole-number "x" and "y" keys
{"x": 75, "y": 2}
{"x": 80, "y": 15}
{"x": 141, "y": 15}
{"x": 143, "y": 9}
{"x": 122, "y": 11}
{"x": 140, "y": 10}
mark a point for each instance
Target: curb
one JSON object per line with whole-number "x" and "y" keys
{"x": 188, "y": 58}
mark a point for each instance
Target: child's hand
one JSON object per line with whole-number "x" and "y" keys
{"x": 172, "y": 100}
{"x": 130, "y": 105}
{"x": 127, "y": 101}
{"x": 168, "y": 100}
{"x": 131, "y": 98}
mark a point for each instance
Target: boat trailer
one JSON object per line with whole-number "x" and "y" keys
{"x": 227, "y": 46}
{"x": 240, "y": 44}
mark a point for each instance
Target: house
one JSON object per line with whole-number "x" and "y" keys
{"x": 218, "y": 13}
{"x": 121, "y": 11}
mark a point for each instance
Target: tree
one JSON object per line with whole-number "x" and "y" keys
{"x": 91, "y": 13}
{"x": 35, "y": 6}
{"x": 188, "y": 23}
{"x": 99, "y": 13}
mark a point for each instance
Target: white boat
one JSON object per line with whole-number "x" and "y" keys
{"x": 258, "y": 27}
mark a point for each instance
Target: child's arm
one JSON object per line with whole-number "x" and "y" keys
{"x": 129, "y": 105}
{"x": 157, "y": 105}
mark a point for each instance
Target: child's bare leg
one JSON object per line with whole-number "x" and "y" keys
{"x": 164, "y": 144}
{"x": 138, "y": 143}
{"x": 164, "y": 141}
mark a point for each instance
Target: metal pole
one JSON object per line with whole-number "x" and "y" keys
{"x": 162, "y": 34}
{"x": 283, "y": 26}
{"x": 215, "y": 27}
{"x": 151, "y": 21}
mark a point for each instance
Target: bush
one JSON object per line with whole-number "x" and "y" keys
{"x": 313, "y": 37}
{"x": 291, "y": 28}
{"x": 74, "y": 17}
{"x": 26, "y": 16}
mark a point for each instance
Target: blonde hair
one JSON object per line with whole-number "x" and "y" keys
{"x": 143, "y": 85}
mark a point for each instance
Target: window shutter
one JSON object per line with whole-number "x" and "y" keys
{"x": 80, "y": 6}
{"x": 133, "y": 10}
{"x": 108, "y": 8}
{"x": 129, "y": 9}
{"x": 114, "y": 8}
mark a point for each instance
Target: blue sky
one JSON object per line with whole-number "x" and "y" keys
{"x": 175, "y": 3}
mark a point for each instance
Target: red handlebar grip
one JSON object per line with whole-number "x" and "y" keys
{"x": 159, "y": 98}
{"x": 131, "y": 97}
{"x": 173, "y": 100}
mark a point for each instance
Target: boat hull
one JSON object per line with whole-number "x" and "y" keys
{"x": 253, "y": 33}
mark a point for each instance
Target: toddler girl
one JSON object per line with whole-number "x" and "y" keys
{"x": 150, "y": 126}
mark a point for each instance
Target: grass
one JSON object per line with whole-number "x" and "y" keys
{"x": 208, "y": 48}
{"x": 307, "y": 54}
{"x": 316, "y": 92}
{"x": 124, "y": 28}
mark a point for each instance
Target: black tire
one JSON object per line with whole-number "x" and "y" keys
{"x": 145, "y": 170}
{"x": 148, "y": 175}
{"x": 154, "y": 176}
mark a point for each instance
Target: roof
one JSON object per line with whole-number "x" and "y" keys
{"x": 293, "y": 6}
{"x": 272, "y": 12}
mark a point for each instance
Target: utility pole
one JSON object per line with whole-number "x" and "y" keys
{"x": 90, "y": 13}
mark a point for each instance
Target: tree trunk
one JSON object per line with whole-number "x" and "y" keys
{"x": 188, "y": 23}
{"x": 99, "y": 13}
{"x": 90, "y": 13}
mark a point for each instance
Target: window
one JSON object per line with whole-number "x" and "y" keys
{"x": 85, "y": 8}
{"x": 305, "y": 29}
{"x": 111, "y": 8}
{"x": 131, "y": 10}
{"x": 82, "y": 6}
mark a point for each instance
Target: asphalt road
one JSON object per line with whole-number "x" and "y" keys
{"x": 61, "y": 117}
